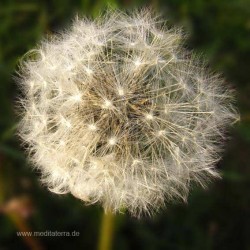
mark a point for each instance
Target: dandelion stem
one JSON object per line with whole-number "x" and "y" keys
{"x": 107, "y": 230}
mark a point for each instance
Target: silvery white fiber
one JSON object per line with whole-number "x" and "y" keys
{"x": 116, "y": 111}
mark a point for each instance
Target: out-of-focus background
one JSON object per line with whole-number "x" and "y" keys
{"x": 217, "y": 218}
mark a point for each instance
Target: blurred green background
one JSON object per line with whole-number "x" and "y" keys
{"x": 217, "y": 218}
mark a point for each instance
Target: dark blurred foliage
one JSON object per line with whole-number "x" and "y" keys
{"x": 217, "y": 218}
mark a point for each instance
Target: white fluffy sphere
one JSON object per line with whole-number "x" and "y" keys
{"x": 116, "y": 111}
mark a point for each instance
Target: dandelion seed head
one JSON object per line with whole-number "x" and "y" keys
{"x": 116, "y": 111}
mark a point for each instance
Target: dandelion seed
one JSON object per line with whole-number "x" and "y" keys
{"x": 137, "y": 62}
{"x": 69, "y": 67}
{"x": 149, "y": 116}
{"x": 136, "y": 162}
{"x": 45, "y": 84}
{"x": 62, "y": 143}
{"x": 92, "y": 127}
{"x": 89, "y": 71}
{"x": 32, "y": 84}
{"x": 166, "y": 110}
{"x": 65, "y": 122}
{"x": 140, "y": 168}
{"x": 161, "y": 132}
{"x": 107, "y": 104}
{"x": 160, "y": 60}
{"x": 121, "y": 91}
{"x": 112, "y": 141}
{"x": 76, "y": 98}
